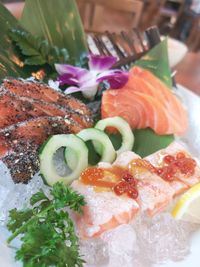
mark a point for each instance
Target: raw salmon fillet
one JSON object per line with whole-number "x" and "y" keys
{"x": 181, "y": 182}
{"x": 146, "y": 102}
{"x": 104, "y": 211}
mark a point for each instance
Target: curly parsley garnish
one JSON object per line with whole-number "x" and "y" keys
{"x": 46, "y": 229}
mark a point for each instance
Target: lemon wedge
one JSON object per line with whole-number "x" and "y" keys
{"x": 188, "y": 206}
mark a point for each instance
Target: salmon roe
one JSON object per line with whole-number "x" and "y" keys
{"x": 128, "y": 185}
{"x": 178, "y": 163}
{"x": 125, "y": 183}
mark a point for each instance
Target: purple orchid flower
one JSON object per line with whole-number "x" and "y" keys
{"x": 87, "y": 81}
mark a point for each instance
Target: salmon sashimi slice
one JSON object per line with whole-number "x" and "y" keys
{"x": 181, "y": 182}
{"x": 104, "y": 211}
{"x": 19, "y": 143}
{"x": 154, "y": 193}
{"x": 16, "y": 109}
{"x": 144, "y": 81}
{"x": 140, "y": 110}
{"x": 40, "y": 91}
{"x": 144, "y": 103}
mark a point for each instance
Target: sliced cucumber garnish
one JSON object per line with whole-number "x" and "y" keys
{"x": 108, "y": 152}
{"x": 123, "y": 127}
{"x": 74, "y": 143}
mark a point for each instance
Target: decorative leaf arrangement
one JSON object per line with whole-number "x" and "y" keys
{"x": 46, "y": 34}
{"x": 36, "y": 50}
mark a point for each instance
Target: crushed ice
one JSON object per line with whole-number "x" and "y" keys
{"x": 143, "y": 243}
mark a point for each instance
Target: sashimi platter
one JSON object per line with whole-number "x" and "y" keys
{"x": 99, "y": 166}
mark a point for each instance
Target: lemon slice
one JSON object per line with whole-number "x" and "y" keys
{"x": 188, "y": 206}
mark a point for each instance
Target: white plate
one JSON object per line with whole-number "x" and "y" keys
{"x": 176, "y": 51}
{"x": 192, "y": 138}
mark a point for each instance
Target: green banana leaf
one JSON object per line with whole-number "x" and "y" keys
{"x": 8, "y": 53}
{"x": 59, "y": 23}
{"x": 146, "y": 140}
{"x": 157, "y": 61}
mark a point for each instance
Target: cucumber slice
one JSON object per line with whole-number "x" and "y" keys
{"x": 70, "y": 157}
{"x": 108, "y": 151}
{"x": 47, "y": 168}
{"x": 123, "y": 127}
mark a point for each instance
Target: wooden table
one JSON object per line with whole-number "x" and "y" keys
{"x": 188, "y": 72}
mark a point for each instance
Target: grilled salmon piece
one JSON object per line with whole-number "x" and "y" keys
{"x": 19, "y": 143}
{"x": 40, "y": 91}
{"x": 16, "y": 109}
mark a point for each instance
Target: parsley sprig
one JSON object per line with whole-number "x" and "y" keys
{"x": 46, "y": 229}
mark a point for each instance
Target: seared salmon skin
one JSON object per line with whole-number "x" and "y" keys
{"x": 19, "y": 143}
{"x": 30, "y": 113}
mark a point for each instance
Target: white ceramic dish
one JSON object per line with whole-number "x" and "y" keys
{"x": 176, "y": 51}
{"x": 192, "y": 138}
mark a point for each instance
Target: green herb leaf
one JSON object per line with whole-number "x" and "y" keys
{"x": 59, "y": 23}
{"x": 37, "y": 197}
{"x": 17, "y": 218}
{"x": 36, "y": 50}
{"x": 65, "y": 196}
{"x": 47, "y": 231}
{"x": 8, "y": 54}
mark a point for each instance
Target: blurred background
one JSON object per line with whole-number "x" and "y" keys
{"x": 118, "y": 27}
{"x": 179, "y": 19}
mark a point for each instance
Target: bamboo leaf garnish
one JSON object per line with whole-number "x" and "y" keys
{"x": 36, "y": 50}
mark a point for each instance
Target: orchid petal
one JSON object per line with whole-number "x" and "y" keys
{"x": 72, "y": 89}
{"x": 88, "y": 92}
{"x": 67, "y": 79}
{"x": 101, "y": 63}
{"x": 65, "y": 68}
{"x": 116, "y": 78}
{"x": 70, "y": 75}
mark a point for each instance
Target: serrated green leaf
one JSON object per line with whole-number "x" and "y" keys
{"x": 65, "y": 196}
{"x": 35, "y": 60}
{"x": 46, "y": 230}
{"x": 37, "y": 51}
{"x": 37, "y": 197}
{"x": 27, "y": 44}
{"x": 17, "y": 218}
